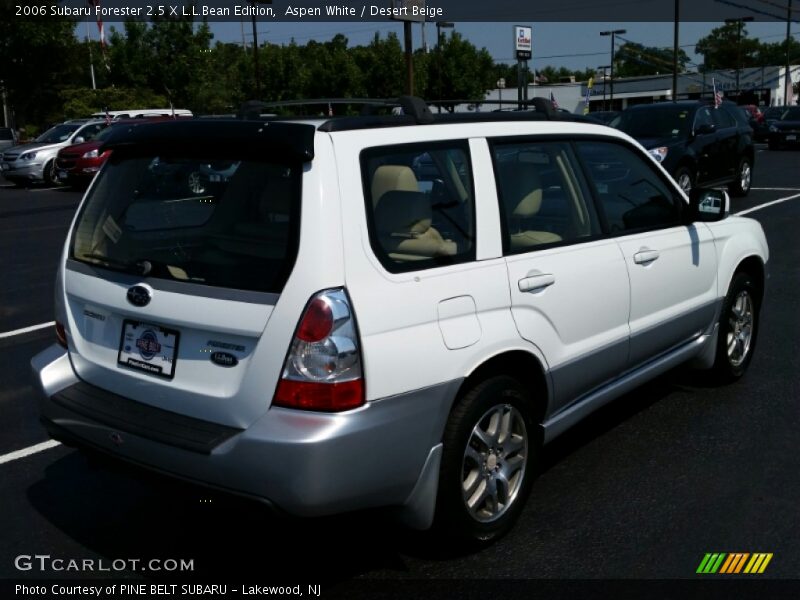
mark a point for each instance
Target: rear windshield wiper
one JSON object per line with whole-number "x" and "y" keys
{"x": 139, "y": 267}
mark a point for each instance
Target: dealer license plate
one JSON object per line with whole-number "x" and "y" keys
{"x": 149, "y": 348}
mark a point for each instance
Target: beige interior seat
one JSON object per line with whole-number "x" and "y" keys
{"x": 522, "y": 195}
{"x": 392, "y": 178}
{"x": 403, "y": 224}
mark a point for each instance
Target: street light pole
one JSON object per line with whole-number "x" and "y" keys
{"x": 612, "y": 33}
{"x": 739, "y": 22}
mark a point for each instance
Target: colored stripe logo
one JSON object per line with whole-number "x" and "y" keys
{"x": 734, "y": 563}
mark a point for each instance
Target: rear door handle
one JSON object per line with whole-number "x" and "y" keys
{"x": 645, "y": 256}
{"x": 532, "y": 283}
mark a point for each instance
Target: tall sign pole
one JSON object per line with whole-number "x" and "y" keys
{"x": 403, "y": 10}
{"x": 523, "y": 48}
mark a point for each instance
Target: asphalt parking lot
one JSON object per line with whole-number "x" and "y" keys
{"x": 641, "y": 490}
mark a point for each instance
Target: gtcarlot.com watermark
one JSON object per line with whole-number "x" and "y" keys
{"x": 45, "y": 563}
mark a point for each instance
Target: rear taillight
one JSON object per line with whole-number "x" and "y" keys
{"x": 323, "y": 368}
{"x": 61, "y": 334}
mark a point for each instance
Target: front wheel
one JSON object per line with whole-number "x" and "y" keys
{"x": 49, "y": 173}
{"x": 738, "y": 329}
{"x": 744, "y": 176}
{"x": 487, "y": 461}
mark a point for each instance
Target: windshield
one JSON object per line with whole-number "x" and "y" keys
{"x": 219, "y": 222}
{"x": 59, "y": 133}
{"x": 792, "y": 114}
{"x": 655, "y": 122}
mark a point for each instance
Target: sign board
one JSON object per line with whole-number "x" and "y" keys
{"x": 408, "y": 10}
{"x": 523, "y": 42}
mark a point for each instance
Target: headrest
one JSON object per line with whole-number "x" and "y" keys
{"x": 522, "y": 191}
{"x": 403, "y": 214}
{"x": 388, "y": 178}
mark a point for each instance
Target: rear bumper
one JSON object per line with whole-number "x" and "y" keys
{"x": 303, "y": 463}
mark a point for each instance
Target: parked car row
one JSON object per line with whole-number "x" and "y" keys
{"x": 69, "y": 152}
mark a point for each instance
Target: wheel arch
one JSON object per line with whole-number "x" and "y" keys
{"x": 523, "y": 366}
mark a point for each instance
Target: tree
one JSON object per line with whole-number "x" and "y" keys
{"x": 775, "y": 54}
{"x": 721, "y": 49}
{"x": 461, "y": 72}
{"x": 38, "y": 57}
{"x": 633, "y": 60}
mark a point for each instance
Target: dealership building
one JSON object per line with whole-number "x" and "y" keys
{"x": 758, "y": 85}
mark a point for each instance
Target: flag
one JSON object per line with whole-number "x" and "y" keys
{"x": 101, "y": 32}
{"x": 589, "y": 86}
{"x": 717, "y": 93}
{"x": 553, "y": 100}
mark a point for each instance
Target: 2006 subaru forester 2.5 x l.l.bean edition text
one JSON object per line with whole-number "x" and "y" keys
{"x": 383, "y": 311}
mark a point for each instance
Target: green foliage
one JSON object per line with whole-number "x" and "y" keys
{"x": 459, "y": 71}
{"x": 721, "y": 49}
{"x": 83, "y": 101}
{"x": 634, "y": 60}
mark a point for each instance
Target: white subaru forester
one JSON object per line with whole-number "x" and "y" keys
{"x": 385, "y": 311}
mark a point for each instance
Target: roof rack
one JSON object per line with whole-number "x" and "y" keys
{"x": 408, "y": 110}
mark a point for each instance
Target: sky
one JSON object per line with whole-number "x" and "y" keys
{"x": 572, "y": 45}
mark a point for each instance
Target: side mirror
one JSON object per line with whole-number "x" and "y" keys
{"x": 78, "y": 140}
{"x": 708, "y": 205}
{"x": 705, "y": 129}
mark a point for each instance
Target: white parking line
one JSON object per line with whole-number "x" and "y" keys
{"x": 776, "y": 189}
{"x": 28, "y": 451}
{"x": 766, "y": 204}
{"x": 9, "y": 334}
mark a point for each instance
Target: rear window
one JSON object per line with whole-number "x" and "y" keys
{"x": 656, "y": 122}
{"x": 219, "y": 222}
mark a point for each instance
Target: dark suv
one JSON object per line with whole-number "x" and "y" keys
{"x": 697, "y": 143}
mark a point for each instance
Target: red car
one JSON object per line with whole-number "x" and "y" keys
{"x": 76, "y": 165}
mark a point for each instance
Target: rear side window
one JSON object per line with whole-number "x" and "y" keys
{"x": 542, "y": 198}
{"x": 420, "y": 204}
{"x": 722, "y": 118}
{"x": 632, "y": 195}
{"x": 220, "y": 222}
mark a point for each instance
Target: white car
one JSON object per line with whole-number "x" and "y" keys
{"x": 384, "y": 311}
{"x": 36, "y": 160}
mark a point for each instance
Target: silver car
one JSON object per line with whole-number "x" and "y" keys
{"x": 35, "y": 161}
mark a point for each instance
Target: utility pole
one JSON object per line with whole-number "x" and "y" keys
{"x": 408, "y": 40}
{"x": 439, "y": 26}
{"x": 675, "y": 50}
{"x": 605, "y": 81}
{"x": 612, "y": 33}
{"x": 788, "y": 92}
{"x": 739, "y": 22}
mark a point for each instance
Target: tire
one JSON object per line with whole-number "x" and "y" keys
{"x": 49, "y": 173}
{"x": 685, "y": 178}
{"x": 196, "y": 183}
{"x": 738, "y": 329}
{"x": 487, "y": 468}
{"x": 744, "y": 179}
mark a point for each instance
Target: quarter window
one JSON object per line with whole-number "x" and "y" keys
{"x": 542, "y": 198}
{"x": 420, "y": 204}
{"x": 632, "y": 195}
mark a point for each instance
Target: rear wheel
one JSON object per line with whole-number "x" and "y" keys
{"x": 685, "y": 179}
{"x": 744, "y": 176}
{"x": 487, "y": 462}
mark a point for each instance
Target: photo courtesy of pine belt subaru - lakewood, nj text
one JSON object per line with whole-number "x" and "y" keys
{"x": 383, "y": 311}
